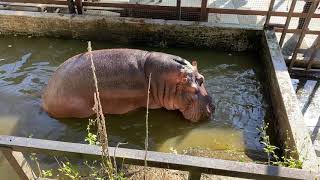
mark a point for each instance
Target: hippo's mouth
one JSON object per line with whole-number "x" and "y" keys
{"x": 196, "y": 112}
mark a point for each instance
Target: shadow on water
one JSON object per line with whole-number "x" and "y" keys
{"x": 234, "y": 81}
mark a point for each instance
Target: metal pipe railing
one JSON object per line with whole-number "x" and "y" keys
{"x": 195, "y": 165}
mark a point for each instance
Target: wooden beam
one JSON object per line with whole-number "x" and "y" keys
{"x": 297, "y": 31}
{"x": 284, "y": 32}
{"x": 204, "y": 12}
{"x": 19, "y": 164}
{"x": 311, "y": 74}
{"x": 79, "y": 6}
{"x": 158, "y": 159}
{"x": 302, "y": 62}
{"x": 178, "y": 9}
{"x": 271, "y": 5}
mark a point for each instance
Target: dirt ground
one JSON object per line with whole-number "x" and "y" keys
{"x": 138, "y": 173}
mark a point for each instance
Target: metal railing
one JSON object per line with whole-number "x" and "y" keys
{"x": 13, "y": 146}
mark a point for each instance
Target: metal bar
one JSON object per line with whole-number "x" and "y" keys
{"x": 19, "y": 164}
{"x": 72, "y": 9}
{"x": 284, "y": 32}
{"x": 203, "y": 12}
{"x": 79, "y": 6}
{"x": 305, "y": 26}
{"x": 158, "y": 159}
{"x": 312, "y": 74}
{"x": 302, "y": 62}
{"x": 178, "y": 9}
{"x": 269, "y": 13}
{"x": 314, "y": 52}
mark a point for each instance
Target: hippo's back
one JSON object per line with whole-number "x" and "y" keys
{"x": 120, "y": 73}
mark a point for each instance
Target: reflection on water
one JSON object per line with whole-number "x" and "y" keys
{"x": 212, "y": 138}
{"x": 233, "y": 80}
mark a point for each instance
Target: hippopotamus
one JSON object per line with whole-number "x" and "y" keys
{"x": 123, "y": 76}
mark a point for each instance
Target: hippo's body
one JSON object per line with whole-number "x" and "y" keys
{"x": 122, "y": 76}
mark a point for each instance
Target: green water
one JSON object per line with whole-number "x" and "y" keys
{"x": 234, "y": 81}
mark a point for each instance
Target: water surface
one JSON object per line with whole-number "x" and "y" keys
{"x": 233, "y": 79}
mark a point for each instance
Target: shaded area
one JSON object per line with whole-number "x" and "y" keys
{"x": 308, "y": 93}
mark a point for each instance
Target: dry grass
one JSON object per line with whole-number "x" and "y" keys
{"x": 111, "y": 169}
{"x": 101, "y": 123}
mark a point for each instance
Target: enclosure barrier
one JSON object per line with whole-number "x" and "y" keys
{"x": 200, "y": 13}
{"x": 13, "y": 146}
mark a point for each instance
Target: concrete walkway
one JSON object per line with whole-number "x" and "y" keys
{"x": 308, "y": 93}
{"x": 247, "y": 20}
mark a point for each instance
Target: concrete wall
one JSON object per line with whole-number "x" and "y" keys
{"x": 289, "y": 120}
{"x": 128, "y": 30}
{"x": 289, "y": 124}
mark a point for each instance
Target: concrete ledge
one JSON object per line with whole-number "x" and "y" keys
{"x": 129, "y": 30}
{"x": 290, "y": 125}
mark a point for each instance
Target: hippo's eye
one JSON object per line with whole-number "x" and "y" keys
{"x": 200, "y": 81}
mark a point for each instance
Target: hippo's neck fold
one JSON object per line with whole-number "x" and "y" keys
{"x": 163, "y": 87}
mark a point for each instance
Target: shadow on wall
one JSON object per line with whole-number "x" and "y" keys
{"x": 290, "y": 45}
{"x": 230, "y": 18}
{"x": 308, "y": 93}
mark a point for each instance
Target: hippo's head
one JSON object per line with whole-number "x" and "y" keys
{"x": 194, "y": 101}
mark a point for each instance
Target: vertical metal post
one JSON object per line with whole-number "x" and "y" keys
{"x": 72, "y": 9}
{"x": 79, "y": 6}
{"x": 269, "y": 13}
{"x": 19, "y": 164}
{"x": 285, "y": 29}
{"x": 203, "y": 12}
{"x": 194, "y": 175}
{"x": 303, "y": 32}
{"x": 314, "y": 52}
{"x": 178, "y": 9}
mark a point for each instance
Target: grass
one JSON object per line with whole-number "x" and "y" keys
{"x": 286, "y": 160}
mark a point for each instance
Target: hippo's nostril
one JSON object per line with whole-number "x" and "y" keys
{"x": 209, "y": 109}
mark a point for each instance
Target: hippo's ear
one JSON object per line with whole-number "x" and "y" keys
{"x": 195, "y": 64}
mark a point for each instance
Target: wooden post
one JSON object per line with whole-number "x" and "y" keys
{"x": 72, "y": 9}
{"x": 269, "y": 13}
{"x": 19, "y": 164}
{"x": 203, "y": 12}
{"x": 178, "y": 9}
{"x": 79, "y": 6}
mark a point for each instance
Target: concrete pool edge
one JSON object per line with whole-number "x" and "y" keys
{"x": 130, "y": 30}
{"x": 228, "y": 37}
{"x": 285, "y": 107}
